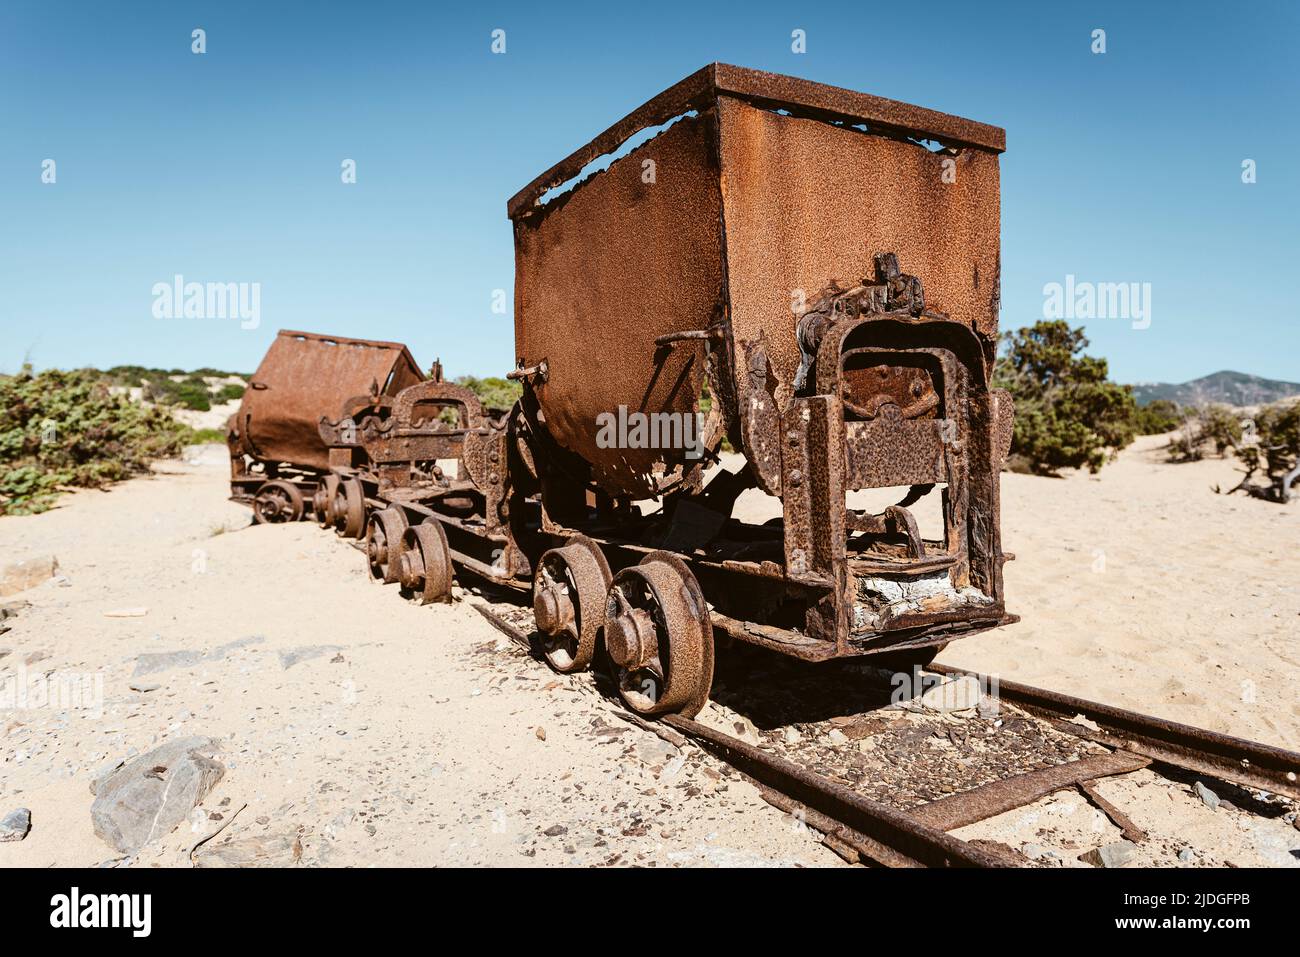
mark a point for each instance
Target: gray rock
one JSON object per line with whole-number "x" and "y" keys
{"x": 144, "y": 687}
{"x": 1186, "y": 854}
{"x": 150, "y": 794}
{"x": 15, "y": 825}
{"x": 1112, "y": 855}
{"x": 1208, "y": 797}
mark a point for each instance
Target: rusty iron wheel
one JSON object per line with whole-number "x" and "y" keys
{"x": 323, "y": 500}
{"x": 659, "y": 637}
{"x": 424, "y": 564}
{"x": 277, "y": 501}
{"x": 350, "y": 509}
{"x": 384, "y": 543}
{"x": 569, "y": 590}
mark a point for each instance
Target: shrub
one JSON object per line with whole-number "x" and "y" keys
{"x": 1158, "y": 417}
{"x": 1068, "y": 412}
{"x": 1213, "y": 424}
{"x": 1272, "y": 447}
{"x": 493, "y": 392}
{"x": 61, "y": 429}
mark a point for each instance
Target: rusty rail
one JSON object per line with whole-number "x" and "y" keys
{"x": 877, "y": 833}
{"x": 1198, "y": 750}
{"x": 858, "y": 828}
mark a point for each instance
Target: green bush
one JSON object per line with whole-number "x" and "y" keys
{"x": 493, "y": 392}
{"x": 1160, "y": 416}
{"x": 230, "y": 393}
{"x": 60, "y": 429}
{"x": 1068, "y": 412}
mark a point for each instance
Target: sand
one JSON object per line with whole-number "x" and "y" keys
{"x": 374, "y": 731}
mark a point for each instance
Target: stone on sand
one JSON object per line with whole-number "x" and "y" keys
{"x": 15, "y": 825}
{"x": 27, "y": 573}
{"x": 150, "y": 794}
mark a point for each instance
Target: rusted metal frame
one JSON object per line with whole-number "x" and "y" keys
{"x": 853, "y": 846}
{"x": 921, "y": 843}
{"x": 924, "y": 636}
{"x": 835, "y": 104}
{"x": 1170, "y": 743}
{"x": 989, "y": 800}
{"x": 783, "y": 640}
{"x": 1128, "y": 829}
{"x": 769, "y": 91}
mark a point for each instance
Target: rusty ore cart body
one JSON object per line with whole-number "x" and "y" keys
{"x": 827, "y": 264}
{"x": 276, "y": 453}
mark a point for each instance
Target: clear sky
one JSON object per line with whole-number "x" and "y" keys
{"x": 1121, "y": 167}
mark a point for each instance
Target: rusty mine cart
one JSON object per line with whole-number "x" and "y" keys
{"x": 827, "y": 262}
{"x": 815, "y": 273}
{"x": 278, "y": 461}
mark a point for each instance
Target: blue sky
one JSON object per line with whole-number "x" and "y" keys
{"x": 1121, "y": 167}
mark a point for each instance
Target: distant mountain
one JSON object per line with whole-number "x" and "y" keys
{"x": 1230, "y": 388}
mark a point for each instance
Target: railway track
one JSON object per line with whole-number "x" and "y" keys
{"x": 1110, "y": 741}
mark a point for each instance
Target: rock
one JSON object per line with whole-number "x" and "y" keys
{"x": 149, "y": 795}
{"x": 540, "y": 732}
{"x": 10, "y": 609}
{"x": 27, "y": 573}
{"x": 137, "y": 612}
{"x": 1208, "y": 797}
{"x": 1186, "y": 854}
{"x": 294, "y": 655}
{"x": 555, "y": 830}
{"x": 275, "y": 849}
{"x": 791, "y": 735}
{"x": 144, "y": 687}
{"x": 837, "y": 737}
{"x": 655, "y": 751}
{"x": 15, "y": 825}
{"x": 955, "y": 694}
{"x": 744, "y": 729}
{"x": 1112, "y": 855}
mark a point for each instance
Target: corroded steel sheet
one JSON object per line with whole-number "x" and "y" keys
{"x": 305, "y": 375}
{"x": 613, "y": 265}
{"x": 806, "y": 203}
{"x": 701, "y": 89}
